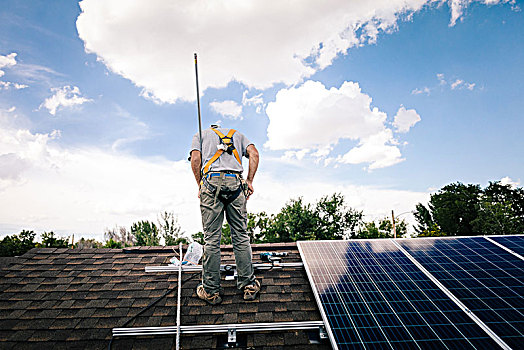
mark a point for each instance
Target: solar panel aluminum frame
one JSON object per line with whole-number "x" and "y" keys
{"x": 325, "y": 319}
{"x": 504, "y": 247}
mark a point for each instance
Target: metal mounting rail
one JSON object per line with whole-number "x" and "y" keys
{"x": 219, "y": 328}
{"x": 198, "y": 268}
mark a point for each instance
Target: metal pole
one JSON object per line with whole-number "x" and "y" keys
{"x": 394, "y": 228}
{"x": 178, "y": 300}
{"x": 198, "y": 104}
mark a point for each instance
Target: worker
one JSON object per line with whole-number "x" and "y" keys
{"x": 217, "y": 165}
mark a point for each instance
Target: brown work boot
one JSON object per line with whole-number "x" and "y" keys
{"x": 212, "y": 299}
{"x": 251, "y": 291}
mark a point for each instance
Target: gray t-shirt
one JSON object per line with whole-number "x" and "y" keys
{"x": 226, "y": 162}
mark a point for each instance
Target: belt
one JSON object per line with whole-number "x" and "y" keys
{"x": 225, "y": 174}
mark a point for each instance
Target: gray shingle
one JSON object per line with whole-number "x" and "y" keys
{"x": 65, "y": 298}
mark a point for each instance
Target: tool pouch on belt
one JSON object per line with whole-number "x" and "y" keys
{"x": 225, "y": 196}
{"x": 244, "y": 186}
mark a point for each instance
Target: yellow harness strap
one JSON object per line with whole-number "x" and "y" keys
{"x": 228, "y": 141}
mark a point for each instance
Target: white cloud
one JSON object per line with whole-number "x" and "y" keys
{"x": 34, "y": 73}
{"x": 506, "y": 180}
{"x": 313, "y": 117}
{"x": 64, "y": 97}
{"x": 152, "y": 43}
{"x": 272, "y": 193}
{"x": 418, "y": 91}
{"x": 458, "y": 7}
{"x": 378, "y": 150}
{"x": 229, "y": 109}
{"x": 84, "y": 190}
{"x": 7, "y": 61}
{"x": 11, "y": 166}
{"x": 441, "y": 79}
{"x": 405, "y": 119}
{"x": 256, "y": 101}
{"x": 456, "y": 84}
{"x": 461, "y": 84}
{"x": 298, "y": 155}
{"x": 134, "y": 130}
{"x": 5, "y": 85}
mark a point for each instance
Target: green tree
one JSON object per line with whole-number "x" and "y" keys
{"x": 170, "y": 229}
{"x": 50, "y": 241}
{"x": 458, "y": 209}
{"x": 384, "y": 229}
{"x": 455, "y": 207}
{"x": 431, "y": 231}
{"x": 257, "y": 225}
{"x": 226, "y": 234}
{"x": 87, "y": 243}
{"x": 17, "y": 245}
{"x": 329, "y": 218}
{"x": 371, "y": 230}
{"x": 424, "y": 219}
{"x": 198, "y": 237}
{"x": 145, "y": 233}
{"x": 335, "y": 219}
{"x": 120, "y": 235}
{"x": 501, "y": 210}
{"x": 295, "y": 221}
{"x": 112, "y": 244}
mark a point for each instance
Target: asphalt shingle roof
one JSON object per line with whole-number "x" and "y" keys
{"x": 71, "y": 298}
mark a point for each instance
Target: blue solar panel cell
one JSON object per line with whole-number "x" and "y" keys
{"x": 515, "y": 243}
{"x": 373, "y": 296}
{"x": 486, "y": 278}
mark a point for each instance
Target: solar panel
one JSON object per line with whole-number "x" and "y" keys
{"x": 372, "y": 296}
{"x": 515, "y": 243}
{"x": 485, "y": 277}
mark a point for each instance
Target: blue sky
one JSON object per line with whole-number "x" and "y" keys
{"x": 384, "y": 102}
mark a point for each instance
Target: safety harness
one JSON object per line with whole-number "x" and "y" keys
{"x": 226, "y": 145}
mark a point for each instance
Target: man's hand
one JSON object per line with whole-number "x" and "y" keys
{"x": 253, "y": 165}
{"x": 250, "y": 189}
{"x": 195, "y": 166}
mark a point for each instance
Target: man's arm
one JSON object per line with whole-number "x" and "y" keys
{"x": 196, "y": 164}
{"x": 253, "y": 166}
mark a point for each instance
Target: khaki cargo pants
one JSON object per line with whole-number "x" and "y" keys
{"x": 212, "y": 218}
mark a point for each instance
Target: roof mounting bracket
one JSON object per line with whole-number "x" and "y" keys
{"x": 322, "y": 332}
{"x": 231, "y": 336}
{"x": 231, "y": 272}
